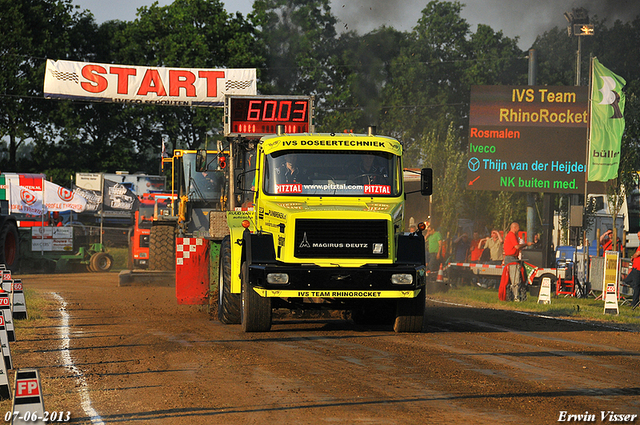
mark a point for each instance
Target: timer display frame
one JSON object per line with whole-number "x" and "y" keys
{"x": 257, "y": 116}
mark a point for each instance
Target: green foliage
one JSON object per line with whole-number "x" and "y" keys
{"x": 587, "y": 309}
{"x": 448, "y": 163}
{"x": 360, "y": 70}
{"x": 299, "y": 38}
{"x": 29, "y": 31}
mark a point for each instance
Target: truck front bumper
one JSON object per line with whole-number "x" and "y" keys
{"x": 337, "y": 282}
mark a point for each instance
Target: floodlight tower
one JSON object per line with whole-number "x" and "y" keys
{"x": 579, "y": 27}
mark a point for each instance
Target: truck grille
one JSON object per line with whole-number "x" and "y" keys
{"x": 319, "y": 238}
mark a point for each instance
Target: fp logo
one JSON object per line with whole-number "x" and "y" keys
{"x": 27, "y": 197}
{"x": 65, "y": 194}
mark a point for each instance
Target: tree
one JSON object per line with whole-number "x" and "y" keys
{"x": 443, "y": 155}
{"x": 425, "y": 93}
{"x": 29, "y": 31}
{"x": 298, "y": 38}
{"x": 189, "y": 34}
{"x": 360, "y": 69}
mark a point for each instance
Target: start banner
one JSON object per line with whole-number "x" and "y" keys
{"x": 145, "y": 84}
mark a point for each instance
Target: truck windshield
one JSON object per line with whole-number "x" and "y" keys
{"x": 145, "y": 216}
{"x": 331, "y": 173}
{"x": 207, "y": 186}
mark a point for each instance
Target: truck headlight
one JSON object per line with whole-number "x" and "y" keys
{"x": 278, "y": 278}
{"x": 402, "y": 279}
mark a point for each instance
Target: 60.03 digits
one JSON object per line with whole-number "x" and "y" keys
{"x": 60, "y": 416}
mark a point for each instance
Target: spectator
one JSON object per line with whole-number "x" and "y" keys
{"x": 512, "y": 248}
{"x": 475, "y": 251}
{"x": 412, "y": 225}
{"x": 606, "y": 241}
{"x": 537, "y": 241}
{"x": 633, "y": 278}
{"x": 494, "y": 245}
{"x": 434, "y": 242}
{"x": 462, "y": 247}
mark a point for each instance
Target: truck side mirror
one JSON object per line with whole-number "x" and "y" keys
{"x": 426, "y": 181}
{"x": 201, "y": 160}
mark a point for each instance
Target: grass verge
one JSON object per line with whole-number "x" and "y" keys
{"x": 26, "y": 330}
{"x": 120, "y": 258}
{"x": 588, "y": 309}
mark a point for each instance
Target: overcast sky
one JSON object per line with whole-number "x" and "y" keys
{"x": 523, "y": 18}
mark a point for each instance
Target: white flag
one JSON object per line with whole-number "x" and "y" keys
{"x": 25, "y": 201}
{"x": 58, "y": 198}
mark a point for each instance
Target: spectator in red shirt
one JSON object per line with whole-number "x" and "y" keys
{"x": 633, "y": 278}
{"x": 606, "y": 240}
{"x": 512, "y": 248}
{"x": 475, "y": 252}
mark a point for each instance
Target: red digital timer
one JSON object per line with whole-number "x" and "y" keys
{"x": 261, "y": 115}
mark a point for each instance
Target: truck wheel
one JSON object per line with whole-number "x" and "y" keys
{"x": 10, "y": 251}
{"x": 410, "y": 314}
{"x": 162, "y": 247}
{"x": 101, "y": 262}
{"x": 228, "y": 303}
{"x": 256, "y": 310}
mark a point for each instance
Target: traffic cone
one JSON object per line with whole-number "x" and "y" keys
{"x": 440, "y": 278}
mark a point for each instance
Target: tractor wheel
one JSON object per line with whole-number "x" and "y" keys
{"x": 162, "y": 247}
{"x": 101, "y": 262}
{"x": 228, "y": 303}
{"x": 256, "y": 310}
{"x": 9, "y": 246}
{"x": 410, "y": 313}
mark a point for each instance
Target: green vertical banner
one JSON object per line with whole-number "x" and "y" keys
{"x": 4, "y": 193}
{"x": 607, "y": 123}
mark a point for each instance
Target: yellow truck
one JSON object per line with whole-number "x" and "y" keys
{"x": 325, "y": 231}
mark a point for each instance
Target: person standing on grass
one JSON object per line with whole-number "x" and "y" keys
{"x": 633, "y": 278}
{"x": 512, "y": 248}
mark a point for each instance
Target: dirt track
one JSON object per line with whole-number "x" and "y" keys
{"x": 137, "y": 357}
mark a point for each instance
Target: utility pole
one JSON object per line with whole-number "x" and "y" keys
{"x": 531, "y": 216}
{"x": 578, "y": 27}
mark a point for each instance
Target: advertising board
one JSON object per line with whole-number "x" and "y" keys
{"x": 528, "y": 138}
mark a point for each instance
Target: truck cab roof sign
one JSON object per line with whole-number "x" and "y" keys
{"x": 331, "y": 142}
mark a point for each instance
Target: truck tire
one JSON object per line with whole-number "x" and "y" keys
{"x": 101, "y": 262}
{"x": 9, "y": 246}
{"x": 256, "y": 310}
{"x": 228, "y": 303}
{"x": 410, "y": 314}
{"x": 162, "y": 247}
